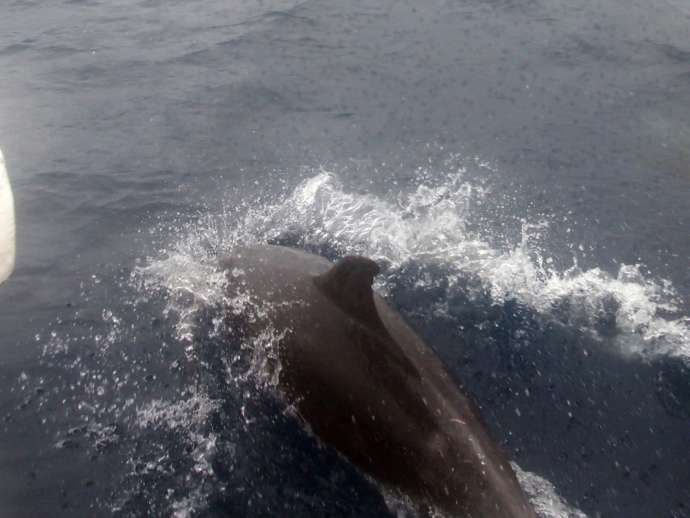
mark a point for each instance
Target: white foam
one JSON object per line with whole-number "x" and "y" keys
{"x": 545, "y": 500}
{"x": 191, "y": 281}
{"x": 429, "y": 225}
{"x": 181, "y": 414}
{"x": 189, "y": 418}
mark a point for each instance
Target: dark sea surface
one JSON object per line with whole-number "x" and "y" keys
{"x": 520, "y": 170}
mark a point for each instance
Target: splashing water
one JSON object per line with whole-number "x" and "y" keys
{"x": 430, "y": 226}
{"x": 546, "y": 501}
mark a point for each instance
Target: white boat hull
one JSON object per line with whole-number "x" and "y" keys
{"x": 7, "y": 225}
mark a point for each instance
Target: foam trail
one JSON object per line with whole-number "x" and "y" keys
{"x": 7, "y": 225}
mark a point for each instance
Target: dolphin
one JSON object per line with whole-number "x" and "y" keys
{"x": 364, "y": 383}
{"x": 7, "y": 230}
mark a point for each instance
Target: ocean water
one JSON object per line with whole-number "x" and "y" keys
{"x": 520, "y": 171}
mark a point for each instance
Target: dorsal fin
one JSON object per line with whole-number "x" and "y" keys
{"x": 348, "y": 284}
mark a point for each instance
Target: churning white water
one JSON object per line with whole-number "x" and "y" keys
{"x": 428, "y": 225}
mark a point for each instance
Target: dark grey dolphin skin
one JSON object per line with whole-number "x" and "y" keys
{"x": 367, "y": 385}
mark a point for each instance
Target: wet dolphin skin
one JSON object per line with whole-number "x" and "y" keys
{"x": 367, "y": 385}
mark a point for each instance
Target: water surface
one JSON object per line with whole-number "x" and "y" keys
{"x": 519, "y": 168}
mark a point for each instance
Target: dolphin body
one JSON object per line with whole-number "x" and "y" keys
{"x": 367, "y": 385}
